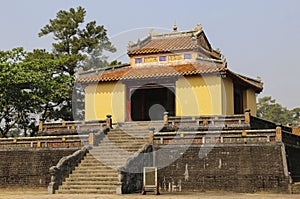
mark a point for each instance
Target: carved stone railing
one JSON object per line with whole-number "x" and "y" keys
{"x": 64, "y": 141}
{"x": 198, "y": 123}
{"x": 214, "y": 137}
{"x": 131, "y": 174}
{"x": 63, "y": 168}
{"x": 73, "y": 127}
{"x": 219, "y": 122}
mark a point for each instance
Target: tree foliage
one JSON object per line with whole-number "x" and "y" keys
{"x": 38, "y": 86}
{"x": 54, "y": 86}
{"x": 85, "y": 43}
{"x": 269, "y": 109}
{"x": 31, "y": 90}
{"x": 11, "y": 90}
{"x": 78, "y": 45}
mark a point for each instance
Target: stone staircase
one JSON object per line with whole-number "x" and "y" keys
{"x": 98, "y": 171}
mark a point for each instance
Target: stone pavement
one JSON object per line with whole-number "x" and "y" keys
{"x": 42, "y": 194}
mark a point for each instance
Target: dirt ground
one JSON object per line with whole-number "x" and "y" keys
{"x": 42, "y": 194}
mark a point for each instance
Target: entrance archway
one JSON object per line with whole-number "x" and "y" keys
{"x": 151, "y": 101}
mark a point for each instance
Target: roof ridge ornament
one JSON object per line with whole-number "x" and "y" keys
{"x": 152, "y": 32}
{"x": 175, "y": 27}
{"x": 197, "y": 30}
{"x": 198, "y": 27}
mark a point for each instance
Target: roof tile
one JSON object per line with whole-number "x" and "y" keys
{"x": 166, "y": 45}
{"x": 132, "y": 73}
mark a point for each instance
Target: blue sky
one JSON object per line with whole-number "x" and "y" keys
{"x": 258, "y": 37}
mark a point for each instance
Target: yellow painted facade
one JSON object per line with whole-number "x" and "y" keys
{"x": 250, "y": 101}
{"x": 103, "y": 99}
{"x": 227, "y": 97}
{"x": 195, "y": 95}
{"x": 199, "y": 95}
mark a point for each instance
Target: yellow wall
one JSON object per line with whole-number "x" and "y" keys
{"x": 103, "y": 99}
{"x": 250, "y": 101}
{"x": 198, "y": 96}
{"x": 195, "y": 95}
{"x": 227, "y": 97}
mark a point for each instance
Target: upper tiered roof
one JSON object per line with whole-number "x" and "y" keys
{"x": 191, "y": 40}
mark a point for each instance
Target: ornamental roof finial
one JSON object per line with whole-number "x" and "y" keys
{"x": 198, "y": 27}
{"x": 175, "y": 27}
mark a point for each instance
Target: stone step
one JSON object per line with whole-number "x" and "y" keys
{"x": 93, "y": 170}
{"x": 124, "y": 143}
{"x": 99, "y": 163}
{"x": 96, "y": 167}
{"x": 98, "y": 157}
{"x": 97, "y": 154}
{"x": 129, "y": 130}
{"x": 87, "y": 191}
{"x": 103, "y": 161}
{"x": 133, "y": 128}
{"x": 116, "y": 145}
{"x": 107, "y": 163}
{"x": 113, "y": 149}
{"x": 121, "y": 143}
{"x": 113, "y": 143}
{"x": 82, "y": 175}
{"x": 126, "y": 138}
{"x": 126, "y": 130}
{"x": 92, "y": 178}
{"x": 116, "y": 150}
{"x": 98, "y": 182}
{"x": 97, "y": 172}
{"x": 110, "y": 138}
{"x": 88, "y": 186}
{"x": 120, "y": 152}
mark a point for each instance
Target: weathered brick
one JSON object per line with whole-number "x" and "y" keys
{"x": 29, "y": 167}
{"x": 230, "y": 167}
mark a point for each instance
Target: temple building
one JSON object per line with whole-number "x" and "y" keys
{"x": 208, "y": 144}
{"x": 177, "y": 72}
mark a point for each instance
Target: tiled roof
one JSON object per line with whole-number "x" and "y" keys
{"x": 132, "y": 73}
{"x": 128, "y": 73}
{"x": 166, "y": 45}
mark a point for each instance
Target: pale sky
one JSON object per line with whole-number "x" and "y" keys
{"x": 258, "y": 37}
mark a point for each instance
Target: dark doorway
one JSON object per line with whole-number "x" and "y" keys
{"x": 150, "y": 103}
{"x": 238, "y": 100}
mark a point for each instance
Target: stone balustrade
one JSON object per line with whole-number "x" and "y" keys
{"x": 212, "y": 137}
{"x": 44, "y": 141}
{"x": 73, "y": 127}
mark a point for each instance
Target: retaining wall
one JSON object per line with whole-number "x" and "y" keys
{"x": 231, "y": 167}
{"x": 29, "y": 167}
